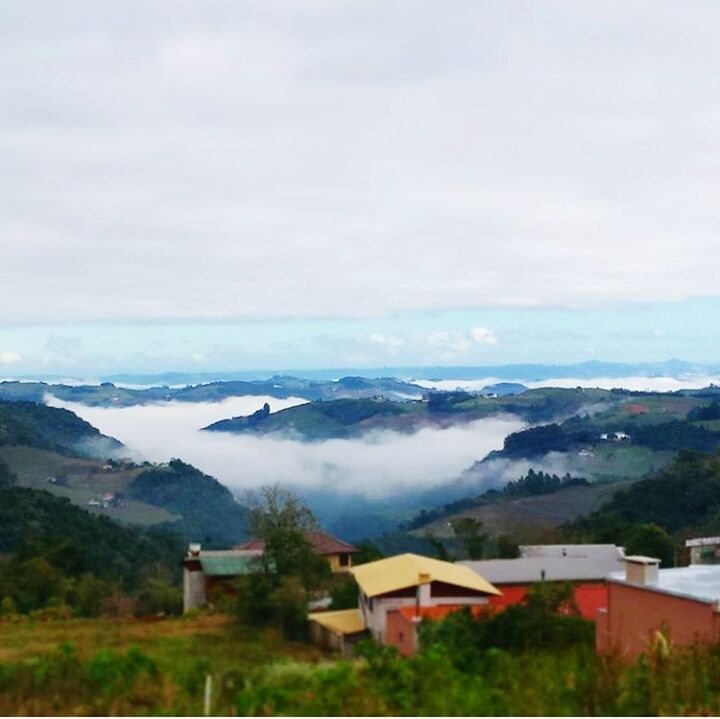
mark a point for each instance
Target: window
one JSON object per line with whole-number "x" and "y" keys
{"x": 344, "y": 559}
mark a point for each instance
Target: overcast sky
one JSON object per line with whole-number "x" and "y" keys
{"x": 377, "y": 181}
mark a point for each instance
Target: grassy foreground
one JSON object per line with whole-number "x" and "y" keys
{"x": 97, "y": 667}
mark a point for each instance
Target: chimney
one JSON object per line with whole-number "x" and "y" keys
{"x": 641, "y": 570}
{"x": 423, "y": 590}
{"x": 194, "y": 550}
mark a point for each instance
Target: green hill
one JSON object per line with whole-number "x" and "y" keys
{"x": 340, "y": 418}
{"x": 208, "y": 511}
{"x": 35, "y": 425}
{"x": 683, "y": 499}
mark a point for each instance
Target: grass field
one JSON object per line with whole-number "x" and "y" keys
{"x": 82, "y": 480}
{"x": 132, "y": 667}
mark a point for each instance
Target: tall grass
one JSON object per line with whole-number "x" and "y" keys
{"x": 666, "y": 680}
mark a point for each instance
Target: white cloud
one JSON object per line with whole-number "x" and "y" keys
{"x": 482, "y": 335}
{"x": 387, "y": 340}
{"x": 10, "y": 358}
{"x": 377, "y": 465}
{"x": 284, "y": 158}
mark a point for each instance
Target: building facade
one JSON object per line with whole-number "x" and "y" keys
{"x": 683, "y": 604}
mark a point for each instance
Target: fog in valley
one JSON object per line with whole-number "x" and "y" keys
{"x": 636, "y": 384}
{"x": 378, "y": 465}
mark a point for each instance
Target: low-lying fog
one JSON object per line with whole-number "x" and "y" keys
{"x": 379, "y": 465}
{"x": 638, "y": 384}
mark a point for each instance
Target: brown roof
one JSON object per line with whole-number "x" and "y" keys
{"x": 322, "y": 544}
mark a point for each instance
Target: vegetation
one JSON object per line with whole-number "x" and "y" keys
{"x": 289, "y": 572}
{"x": 318, "y": 420}
{"x": 35, "y": 425}
{"x": 683, "y": 497}
{"x": 57, "y": 555}
{"x": 133, "y": 668}
{"x": 209, "y": 512}
{"x": 708, "y": 412}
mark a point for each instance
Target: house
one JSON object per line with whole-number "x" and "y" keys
{"x": 586, "y": 566}
{"x": 682, "y": 603}
{"x": 704, "y": 550}
{"x": 338, "y": 553}
{"x": 396, "y": 594}
{"x": 203, "y": 571}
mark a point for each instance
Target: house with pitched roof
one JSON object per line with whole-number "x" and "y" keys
{"x": 337, "y": 553}
{"x": 395, "y": 595}
{"x": 206, "y": 571}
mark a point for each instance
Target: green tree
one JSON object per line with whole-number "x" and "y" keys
{"x": 282, "y": 522}
{"x": 652, "y": 541}
{"x": 469, "y": 531}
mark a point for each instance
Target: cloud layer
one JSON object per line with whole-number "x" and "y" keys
{"x": 278, "y": 158}
{"x": 380, "y": 465}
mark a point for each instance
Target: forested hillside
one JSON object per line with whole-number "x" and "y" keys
{"x": 36, "y": 425}
{"x": 208, "y": 510}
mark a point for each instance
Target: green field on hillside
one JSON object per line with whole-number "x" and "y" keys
{"x": 81, "y": 480}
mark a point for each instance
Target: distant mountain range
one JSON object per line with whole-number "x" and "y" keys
{"x": 108, "y": 394}
{"x": 521, "y": 372}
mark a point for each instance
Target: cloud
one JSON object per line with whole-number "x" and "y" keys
{"x": 354, "y": 159}
{"x": 378, "y": 465}
{"x": 387, "y": 341}
{"x": 482, "y": 335}
{"x": 10, "y": 358}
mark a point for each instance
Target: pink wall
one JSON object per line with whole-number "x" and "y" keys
{"x": 634, "y": 614}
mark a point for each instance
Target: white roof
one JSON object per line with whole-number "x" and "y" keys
{"x": 702, "y": 541}
{"x": 579, "y": 563}
{"x": 576, "y": 551}
{"x": 698, "y": 581}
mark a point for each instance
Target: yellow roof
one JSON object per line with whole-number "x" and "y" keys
{"x": 410, "y": 570}
{"x": 346, "y": 621}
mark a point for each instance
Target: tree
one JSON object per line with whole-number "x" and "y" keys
{"x": 468, "y": 531}
{"x": 650, "y": 540}
{"x": 281, "y": 521}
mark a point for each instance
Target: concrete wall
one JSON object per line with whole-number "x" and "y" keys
{"x": 634, "y": 614}
{"x": 194, "y": 591}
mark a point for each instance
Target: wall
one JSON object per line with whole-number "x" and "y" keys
{"x": 635, "y": 613}
{"x": 589, "y": 596}
{"x": 193, "y": 586}
{"x": 375, "y": 610}
{"x": 400, "y": 633}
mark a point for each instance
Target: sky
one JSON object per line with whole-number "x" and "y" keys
{"x": 244, "y": 184}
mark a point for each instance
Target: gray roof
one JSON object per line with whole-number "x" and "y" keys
{"x": 579, "y": 551}
{"x": 700, "y": 582}
{"x": 580, "y": 563}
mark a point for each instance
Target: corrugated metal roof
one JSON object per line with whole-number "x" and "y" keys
{"x": 346, "y": 621}
{"x": 534, "y": 569}
{"x": 410, "y": 570}
{"x": 229, "y": 565}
